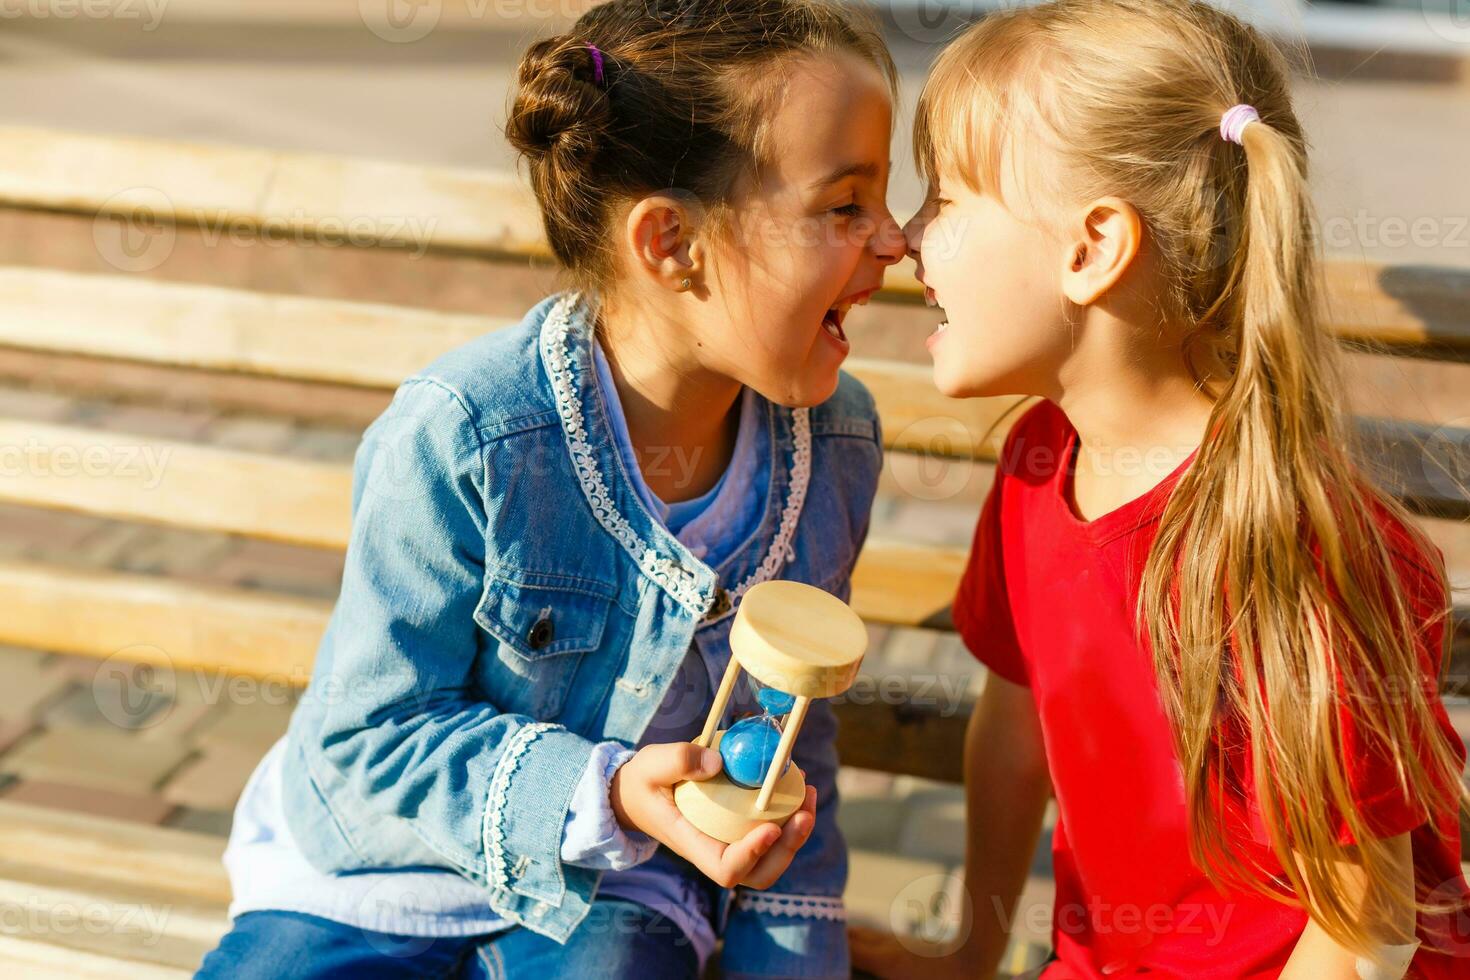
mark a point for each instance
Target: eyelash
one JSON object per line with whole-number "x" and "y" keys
{"x": 852, "y": 210}
{"x": 941, "y": 202}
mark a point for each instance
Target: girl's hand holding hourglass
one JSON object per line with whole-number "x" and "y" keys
{"x": 642, "y": 796}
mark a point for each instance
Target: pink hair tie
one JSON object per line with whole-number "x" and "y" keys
{"x": 1234, "y": 121}
{"x": 596, "y": 63}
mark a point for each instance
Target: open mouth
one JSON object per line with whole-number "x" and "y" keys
{"x": 833, "y": 319}
{"x": 931, "y": 300}
{"x": 832, "y": 323}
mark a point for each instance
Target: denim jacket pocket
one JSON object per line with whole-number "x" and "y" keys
{"x": 541, "y": 626}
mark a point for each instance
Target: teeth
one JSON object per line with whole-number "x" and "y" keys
{"x": 832, "y": 323}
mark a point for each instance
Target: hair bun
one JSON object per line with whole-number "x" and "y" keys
{"x": 559, "y": 111}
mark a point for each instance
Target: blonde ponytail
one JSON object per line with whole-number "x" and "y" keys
{"x": 1271, "y": 534}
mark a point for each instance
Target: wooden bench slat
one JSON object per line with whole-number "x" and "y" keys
{"x": 1419, "y": 311}
{"x": 371, "y": 202}
{"x": 37, "y": 960}
{"x": 154, "y": 619}
{"x": 131, "y": 923}
{"x": 183, "y": 325}
{"x": 903, "y": 584}
{"x": 1426, "y": 467}
{"x": 206, "y": 488}
{"x": 894, "y": 736}
{"x": 161, "y": 859}
{"x": 1408, "y": 310}
{"x": 94, "y": 896}
{"x": 918, "y": 419}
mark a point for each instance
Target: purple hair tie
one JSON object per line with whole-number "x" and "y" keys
{"x": 1234, "y": 121}
{"x": 596, "y": 63}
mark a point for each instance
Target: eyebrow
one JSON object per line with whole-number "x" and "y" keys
{"x": 867, "y": 169}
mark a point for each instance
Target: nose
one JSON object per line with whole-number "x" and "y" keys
{"x": 888, "y": 243}
{"x": 913, "y": 231}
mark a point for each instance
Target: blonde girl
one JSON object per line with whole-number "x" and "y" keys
{"x": 1208, "y": 636}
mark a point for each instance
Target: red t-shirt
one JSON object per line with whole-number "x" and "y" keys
{"x": 1048, "y": 601}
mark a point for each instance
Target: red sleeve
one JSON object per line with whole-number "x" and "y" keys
{"x": 1386, "y": 807}
{"x": 982, "y": 609}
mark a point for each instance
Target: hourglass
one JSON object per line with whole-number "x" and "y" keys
{"x": 797, "y": 643}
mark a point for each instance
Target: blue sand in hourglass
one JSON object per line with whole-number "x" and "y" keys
{"x": 750, "y": 744}
{"x": 775, "y": 702}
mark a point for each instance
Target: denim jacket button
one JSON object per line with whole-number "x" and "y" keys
{"x": 540, "y": 634}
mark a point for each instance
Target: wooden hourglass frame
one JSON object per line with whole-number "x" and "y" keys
{"x": 799, "y": 640}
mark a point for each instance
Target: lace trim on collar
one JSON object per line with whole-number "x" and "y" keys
{"x": 674, "y": 578}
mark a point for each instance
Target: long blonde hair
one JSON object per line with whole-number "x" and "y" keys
{"x": 1270, "y": 639}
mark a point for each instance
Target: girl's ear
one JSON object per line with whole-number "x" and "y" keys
{"x": 662, "y": 235}
{"x": 1101, "y": 250}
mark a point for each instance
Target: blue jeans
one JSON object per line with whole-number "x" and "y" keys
{"x": 618, "y": 939}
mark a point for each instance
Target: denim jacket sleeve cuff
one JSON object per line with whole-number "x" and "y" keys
{"x": 525, "y": 814}
{"x": 776, "y": 934}
{"x": 594, "y": 838}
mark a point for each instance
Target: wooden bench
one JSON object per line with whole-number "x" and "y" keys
{"x": 1416, "y": 313}
{"x": 83, "y": 896}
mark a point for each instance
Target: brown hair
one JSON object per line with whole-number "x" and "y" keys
{"x": 685, "y": 89}
{"x": 1249, "y": 630}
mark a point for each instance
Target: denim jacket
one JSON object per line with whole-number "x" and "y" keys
{"x": 508, "y": 602}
